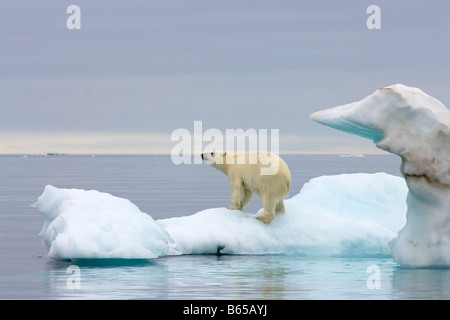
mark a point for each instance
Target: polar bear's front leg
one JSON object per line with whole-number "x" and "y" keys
{"x": 237, "y": 194}
{"x": 236, "y": 202}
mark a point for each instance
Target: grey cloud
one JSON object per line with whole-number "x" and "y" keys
{"x": 158, "y": 65}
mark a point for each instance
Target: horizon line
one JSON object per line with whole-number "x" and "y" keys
{"x": 57, "y": 154}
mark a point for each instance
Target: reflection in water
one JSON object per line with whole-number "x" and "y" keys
{"x": 227, "y": 277}
{"x": 243, "y": 277}
{"x": 273, "y": 284}
{"x": 179, "y": 277}
{"x": 421, "y": 283}
{"x": 108, "y": 279}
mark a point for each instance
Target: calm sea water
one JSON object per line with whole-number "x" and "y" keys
{"x": 164, "y": 190}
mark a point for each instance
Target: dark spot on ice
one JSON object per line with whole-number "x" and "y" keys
{"x": 219, "y": 247}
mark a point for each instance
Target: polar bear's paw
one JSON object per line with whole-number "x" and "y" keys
{"x": 266, "y": 218}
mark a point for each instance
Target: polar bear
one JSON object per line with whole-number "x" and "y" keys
{"x": 262, "y": 172}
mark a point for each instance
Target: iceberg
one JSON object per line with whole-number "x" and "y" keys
{"x": 83, "y": 224}
{"x": 344, "y": 215}
{"x": 415, "y": 126}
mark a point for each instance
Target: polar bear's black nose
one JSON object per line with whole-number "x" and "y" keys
{"x": 202, "y": 156}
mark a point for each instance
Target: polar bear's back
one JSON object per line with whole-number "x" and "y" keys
{"x": 260, "y": 170}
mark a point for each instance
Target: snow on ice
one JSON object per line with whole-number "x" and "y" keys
{"x": 91, "y": 224}
{"x": 415, "y": 126}
{"x": 343, "y": 215}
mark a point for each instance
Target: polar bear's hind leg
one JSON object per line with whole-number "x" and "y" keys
{"x": 269, "y": 210}
{"x": 280, "y": 207}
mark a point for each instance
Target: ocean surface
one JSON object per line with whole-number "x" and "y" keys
{"x": 163, "y": 190}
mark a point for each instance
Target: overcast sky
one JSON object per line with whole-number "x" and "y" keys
{"x": 138, "y": 70}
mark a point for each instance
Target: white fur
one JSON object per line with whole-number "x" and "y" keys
{"x": 262, "y": 173}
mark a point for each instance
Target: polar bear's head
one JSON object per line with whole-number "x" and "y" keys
{"x": 214, "y": 158}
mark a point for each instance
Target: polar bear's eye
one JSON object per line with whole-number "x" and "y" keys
{"x": 212, "y": 153}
